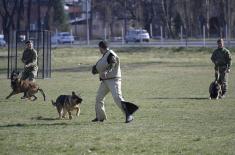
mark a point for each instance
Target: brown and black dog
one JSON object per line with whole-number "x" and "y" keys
{"x": 24, "y": 86}
{"x": 215, "y": 90}
{"x": 67, "y": 103}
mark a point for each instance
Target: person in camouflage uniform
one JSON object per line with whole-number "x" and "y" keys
{"x": 222, "y": 59}
{"x": 29, "y": 59}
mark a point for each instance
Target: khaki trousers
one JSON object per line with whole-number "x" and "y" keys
{"x": 106, "y": 86}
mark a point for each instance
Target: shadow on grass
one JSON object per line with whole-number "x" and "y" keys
{"x": 68, "y": 122}
{"x": 179, "y": 98}
{"x": 36, "y": 124}
{"x": 24, "y": 125}
{"x": 44, "y": 118}
{"x": 30, "y": 125}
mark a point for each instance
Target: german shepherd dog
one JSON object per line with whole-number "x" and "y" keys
{"x": 215, "y": 90}
{"x": 24, "y": 86}
{"x": 67, "y": 103}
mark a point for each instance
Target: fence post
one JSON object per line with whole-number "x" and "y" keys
{"x": 71, "y": 31}
{"x": 105, "y": 33}
{"x": 43, "y": 54}
{"x": 226, "y": 32}
{"x": 151, "y": 30}
{"x": 87, "y": 24}
{"x": 123, "y": 39}
{"x": 16, "y": 54}
{"x": 161, "y": 34}
{"x": 204, "y": 35}
{"x": 181, "y": 35}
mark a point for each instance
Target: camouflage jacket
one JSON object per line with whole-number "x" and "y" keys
{"x": 221, "y": 57}
{"x": 30, "y": 57}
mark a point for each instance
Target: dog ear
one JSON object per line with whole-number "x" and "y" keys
{"x": 73, "y": 93}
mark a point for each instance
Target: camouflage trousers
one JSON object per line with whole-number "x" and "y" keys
{"x": 29, "y": 73}
{"x": 221, "y": 75}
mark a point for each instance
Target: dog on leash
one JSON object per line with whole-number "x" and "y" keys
{"x": 30, "y": 88}
{"x": 215, "y": 90}
{"x": 67, "y": 103}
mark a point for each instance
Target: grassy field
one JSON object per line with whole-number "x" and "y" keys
{"x": 169, "y": 85}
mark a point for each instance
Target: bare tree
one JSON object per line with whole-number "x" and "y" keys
{"x": 20, "y": 14}
{"x": 109, "y": 11}
{"x": 123, "y": 10}
{"x": 48, "y": 20}
{"x": 7, "y": 12}
{"x": 149, "y": 13}
{"x": 163, "y": 11}
{"x": 167, "y": 7}
{"x": 27, "y": 26}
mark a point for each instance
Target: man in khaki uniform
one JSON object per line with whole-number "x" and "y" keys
{"x": 222, "y": 59}
{"x": 108, "y": 68}
{"x": 29, "y": 59}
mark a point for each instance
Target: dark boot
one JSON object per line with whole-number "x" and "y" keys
{"x": 96, "y": 120}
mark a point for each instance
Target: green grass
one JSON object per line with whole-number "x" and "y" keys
{"x": 169, "y": 85}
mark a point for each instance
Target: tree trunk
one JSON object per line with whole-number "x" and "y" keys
{"x": 27, "y": 27}
{"x": 20, "y": 9}
{"x": 8, "y": 17}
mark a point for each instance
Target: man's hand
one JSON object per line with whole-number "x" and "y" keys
{"x": 103, "y": 75}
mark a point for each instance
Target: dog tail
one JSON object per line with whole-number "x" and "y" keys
{"x": 43, "y": 94}
{"x": 53, "y": 103}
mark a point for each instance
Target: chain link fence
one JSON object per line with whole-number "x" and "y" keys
{"x": 42, "y": 44}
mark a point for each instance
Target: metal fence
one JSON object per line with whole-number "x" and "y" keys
{"x": 42, "y": 44}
